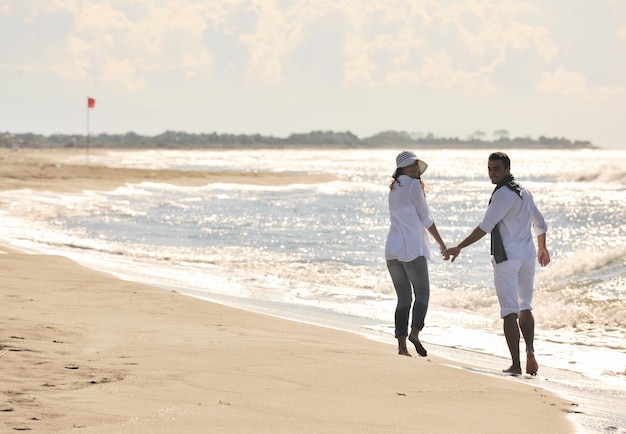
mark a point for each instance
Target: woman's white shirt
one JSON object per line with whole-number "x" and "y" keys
{"x": 410, "y": 217}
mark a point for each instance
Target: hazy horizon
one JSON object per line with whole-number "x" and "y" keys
{"x": 435, "y": 138}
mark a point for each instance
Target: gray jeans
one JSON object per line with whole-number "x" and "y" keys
{"x": 410, "y": 278}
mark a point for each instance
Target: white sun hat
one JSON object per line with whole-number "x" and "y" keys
{"x": 405, "y": 159}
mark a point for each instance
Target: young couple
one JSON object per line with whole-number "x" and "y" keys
{"x": 510, "y": 218}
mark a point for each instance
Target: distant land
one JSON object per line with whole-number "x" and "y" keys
{"x": 318, "y": 139}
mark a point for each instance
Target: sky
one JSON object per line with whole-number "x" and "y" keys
{"x": 451, "y": 68}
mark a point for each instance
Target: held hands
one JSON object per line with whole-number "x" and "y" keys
{"x": 543, "y": 256}
{"x": 451, "y": 253}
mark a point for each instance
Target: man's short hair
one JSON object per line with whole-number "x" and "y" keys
{"x": 501, "y": 156}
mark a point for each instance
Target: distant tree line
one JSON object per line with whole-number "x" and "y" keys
{"x": 182, "y": 140}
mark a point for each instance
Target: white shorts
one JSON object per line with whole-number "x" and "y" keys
{"x": 514, "y": 285}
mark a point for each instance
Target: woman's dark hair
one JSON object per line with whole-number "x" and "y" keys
{"x": 395, "y": 178}
{"x": 400, "y": 171}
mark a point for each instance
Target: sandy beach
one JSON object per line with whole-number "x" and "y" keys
{"x": 82, "y": 351}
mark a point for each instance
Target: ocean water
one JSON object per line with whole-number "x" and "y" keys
{"x": 314, "y": 252}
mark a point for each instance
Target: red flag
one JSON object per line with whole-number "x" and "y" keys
{"x": 91, "y": 102}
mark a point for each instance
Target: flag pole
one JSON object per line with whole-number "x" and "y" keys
{"x": 91, "y": 103}
{"x": 87, "y": 148}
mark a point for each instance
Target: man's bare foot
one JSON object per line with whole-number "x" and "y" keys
{"x": 513, "y": 369}
{"x": 418, "y": 346}
{"x": 531, "y": 364}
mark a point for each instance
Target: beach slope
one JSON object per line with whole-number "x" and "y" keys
{"x": 88, "y": 352}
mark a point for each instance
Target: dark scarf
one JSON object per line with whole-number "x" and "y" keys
{"x": 497, "y": 246}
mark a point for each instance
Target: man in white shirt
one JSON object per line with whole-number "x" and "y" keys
{"x": 510, "y": 218}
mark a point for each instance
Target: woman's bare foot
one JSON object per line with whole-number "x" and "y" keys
{"x": 513, "y": 369}
{"x": 404, "y": 352}
{"x": 531, "y": 364}
{"x": 418, "y": 346}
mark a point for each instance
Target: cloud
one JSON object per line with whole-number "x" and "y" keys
{"x": 493, "y": 28}
{"x": 608, "y": 91}
{"x": 122, "y": 73}
{"x": 458, "y": 46}
{"x": 73, "y": 61}
{"x": 449, "y": 46}
{"x": 122, "y": 42}
{"x": 571, "y": 83}
{"x": 562, "y": 82}
{"x": 278, "y": 32}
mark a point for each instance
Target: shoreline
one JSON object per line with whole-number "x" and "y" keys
{"x": 83, "y": 351}
{"x": 40, "y": 169}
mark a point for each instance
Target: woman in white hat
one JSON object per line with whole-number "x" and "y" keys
{"x": 408, "y": 248}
